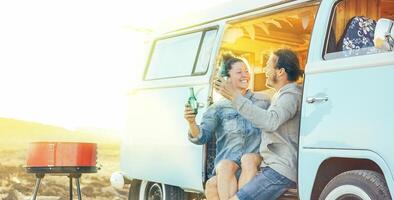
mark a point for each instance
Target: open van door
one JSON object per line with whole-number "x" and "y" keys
{"x": 156, "y": 146}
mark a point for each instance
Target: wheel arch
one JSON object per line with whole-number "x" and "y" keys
{"x": 345, "y": 160}
{"x": 335, "y": 166}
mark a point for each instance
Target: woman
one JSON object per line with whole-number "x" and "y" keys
{"x": 237, "y": 141}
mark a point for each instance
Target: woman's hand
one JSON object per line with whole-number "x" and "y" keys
{"x": 189, "y": 115}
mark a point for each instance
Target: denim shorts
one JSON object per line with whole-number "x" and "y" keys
{"x": 267, "y": 184}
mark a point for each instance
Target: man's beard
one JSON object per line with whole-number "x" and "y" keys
{"x": 272, "y": 81}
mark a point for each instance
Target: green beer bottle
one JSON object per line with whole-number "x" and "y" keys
{"x": 193, "y": 100}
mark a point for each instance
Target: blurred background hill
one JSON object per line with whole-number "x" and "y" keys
{"x": 22, "y": 132}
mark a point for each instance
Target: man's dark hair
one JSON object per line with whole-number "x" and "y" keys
{"x": 288, "y": 60}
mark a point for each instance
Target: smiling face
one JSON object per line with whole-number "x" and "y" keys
{"x": 239, "y": 75}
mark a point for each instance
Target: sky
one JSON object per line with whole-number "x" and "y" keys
{"x": 71, "y": 63}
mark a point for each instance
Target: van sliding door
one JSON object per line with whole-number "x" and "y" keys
{"x": 156, "y": 147}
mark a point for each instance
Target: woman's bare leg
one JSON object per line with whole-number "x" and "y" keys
{"x": 227, "y": 182}
{"x": 249, "y": 165}
{"x": 211, "y": 189}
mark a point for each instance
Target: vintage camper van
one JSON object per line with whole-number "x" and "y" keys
{"x": 347, "y": 123}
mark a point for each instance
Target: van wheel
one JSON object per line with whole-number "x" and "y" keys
{"x": 134, "y": 191}
{"x": 160, "y": 191}
{"x": 356, "y": 185}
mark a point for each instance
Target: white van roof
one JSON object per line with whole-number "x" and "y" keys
{"x": 222, "y": 11}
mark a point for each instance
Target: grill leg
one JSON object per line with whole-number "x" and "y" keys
{"x": 37, "y": 186}
{"x": 78, "y": 189}
{"x": 71, "y": 187}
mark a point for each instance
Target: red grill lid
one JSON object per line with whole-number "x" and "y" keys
{"x": 61, "y": 154}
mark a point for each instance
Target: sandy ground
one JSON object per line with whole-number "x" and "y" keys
{"x": 16, "y": 184}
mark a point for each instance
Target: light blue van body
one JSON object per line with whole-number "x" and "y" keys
{"x": 357, "y": 121}
{"x": 355, "y": 124}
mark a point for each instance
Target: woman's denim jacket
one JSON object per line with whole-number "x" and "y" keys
{"x": 235, "y": 136}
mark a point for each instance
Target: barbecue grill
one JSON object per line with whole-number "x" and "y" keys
{"x": 71, "y": 159}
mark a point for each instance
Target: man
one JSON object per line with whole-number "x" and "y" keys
{"x": 279, "y": 124}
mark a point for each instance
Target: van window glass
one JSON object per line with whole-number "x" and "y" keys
{"x": 352, "y": 28}
{"x": 205, "y": 52}
{"x": 174, "y": 57}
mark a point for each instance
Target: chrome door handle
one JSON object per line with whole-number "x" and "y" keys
{"x": 316, "y": 99}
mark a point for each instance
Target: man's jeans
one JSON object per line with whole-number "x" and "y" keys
{"x": 267, "y": 184}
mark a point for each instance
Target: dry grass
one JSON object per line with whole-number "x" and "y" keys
{"x": 16, "y": 184}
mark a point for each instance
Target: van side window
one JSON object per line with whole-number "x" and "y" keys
{"x": 352, "y": 28}
{"x": 205, "y": 52}
{"x": 180, "y": 55}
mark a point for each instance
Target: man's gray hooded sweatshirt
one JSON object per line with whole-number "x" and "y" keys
{"x": 280, "y": 126}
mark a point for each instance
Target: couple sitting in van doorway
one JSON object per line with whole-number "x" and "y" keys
{"x": 237, "y": 140}
{"x": 279, "y": 124}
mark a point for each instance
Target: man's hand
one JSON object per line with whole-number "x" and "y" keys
{"x": 225, "y": 88}
{"x": 189, "y": 115}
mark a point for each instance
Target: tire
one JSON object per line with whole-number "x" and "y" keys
{"x": 160, "y": 191}
{"x": 356, "y": 185}
{"x": 134, "y": 191}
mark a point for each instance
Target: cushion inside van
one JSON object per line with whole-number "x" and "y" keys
{"x": 359, "y": 33}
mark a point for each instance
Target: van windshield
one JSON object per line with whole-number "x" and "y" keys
{"x": 181, "y": 55}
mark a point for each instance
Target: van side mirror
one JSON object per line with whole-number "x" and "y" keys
{"x": 384, "y": 34}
